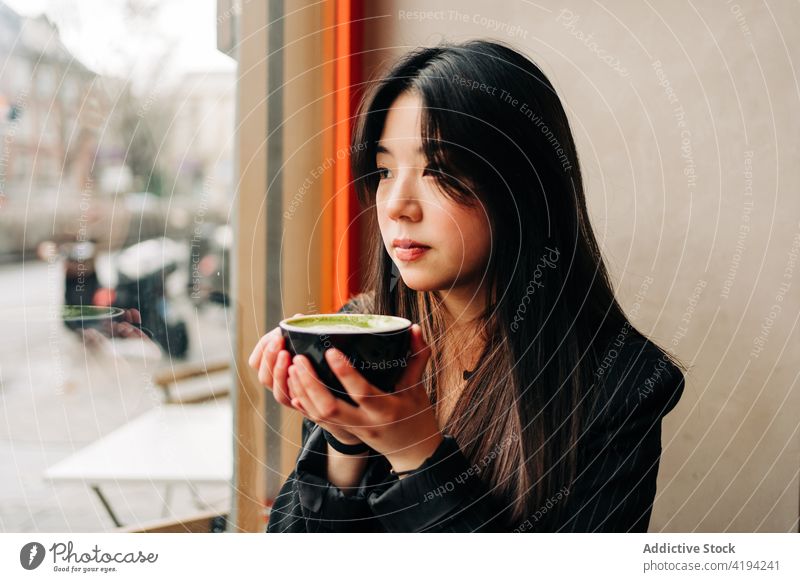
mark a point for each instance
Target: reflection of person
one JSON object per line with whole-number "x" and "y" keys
{"x": 129, "y": 325}
{"x": 532, "y": 403}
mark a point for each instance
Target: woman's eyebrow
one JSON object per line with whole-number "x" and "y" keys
{"x": 384, "y": 150}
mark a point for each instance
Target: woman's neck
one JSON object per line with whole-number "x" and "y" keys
{"x": 462, "y": 313}
{"x": 462, "y": 309}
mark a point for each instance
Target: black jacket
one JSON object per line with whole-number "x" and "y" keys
{"x": 613, "y": 491}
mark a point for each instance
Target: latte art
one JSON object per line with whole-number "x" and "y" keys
{"x": 346, "y": 323}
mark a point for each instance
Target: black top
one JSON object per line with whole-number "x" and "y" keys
{"x": 613, "y": 491}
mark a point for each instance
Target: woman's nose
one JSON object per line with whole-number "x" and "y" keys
{"x": 402, "y": 202}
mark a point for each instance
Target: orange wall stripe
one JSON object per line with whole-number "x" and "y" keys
{"x": 347, "y": 76}
{"x": 327, "y": 250}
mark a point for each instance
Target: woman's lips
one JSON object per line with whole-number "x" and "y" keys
{"x": 411, "y": 254}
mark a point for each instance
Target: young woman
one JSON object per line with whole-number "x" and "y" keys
{"x": 530, "y": 403}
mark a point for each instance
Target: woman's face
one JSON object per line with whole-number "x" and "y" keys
{"x": 411, "y": 205}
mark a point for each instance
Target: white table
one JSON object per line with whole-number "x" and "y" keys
{"x": 172, "y": 444}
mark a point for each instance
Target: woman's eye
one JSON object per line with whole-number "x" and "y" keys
{"x": 384, "y": 173}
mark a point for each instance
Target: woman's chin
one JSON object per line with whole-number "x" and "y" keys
{"x": 418, "y": 283}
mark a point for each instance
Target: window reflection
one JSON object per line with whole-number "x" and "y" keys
{"x": 116, "y": 181}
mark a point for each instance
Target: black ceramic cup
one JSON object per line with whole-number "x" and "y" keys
{"x": 90, "y": 316}
{"x": 377, "y": 346}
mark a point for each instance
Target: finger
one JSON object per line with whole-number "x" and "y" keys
{"x": 254, "y": 361}
{"x": 267, "y": 360}
{"x": 291, "y": 387}
{"x": 299, "y": 406}
{"x": 354, "y": 383}
{"x": 135, "y": 315}
{"x": 279, "y": 374}
{"x": 299, "y": 393}
{"x": 271, "y": 356}
{"x": 132, "y": 316}
{"x": 284, "y": 395}
{"x": 343, "y": 415}
{"x": 125, "y": 330}
{"x": 332, "y": 409}
{"x": 420, "y": 354}
{"x": 267, "y": 365}
{"x": 255, "y": 356}
{"x": 264, "y": 373}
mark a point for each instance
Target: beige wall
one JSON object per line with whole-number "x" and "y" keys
{"x": 730, "y": 460}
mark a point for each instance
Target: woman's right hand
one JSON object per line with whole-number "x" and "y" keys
{"x": 272, "y": 362}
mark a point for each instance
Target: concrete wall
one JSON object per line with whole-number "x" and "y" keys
{"x": 683, "y": 117}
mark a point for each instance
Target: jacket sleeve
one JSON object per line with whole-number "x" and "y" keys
{"x": 308, "y": 502}
{"x": 616, "y": 485}
{"x": 444, "y": 495}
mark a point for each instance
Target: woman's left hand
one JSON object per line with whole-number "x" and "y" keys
{"x": 400, "y": 425}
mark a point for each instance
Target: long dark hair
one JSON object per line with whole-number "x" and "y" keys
{"x": 495, "y": 129}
